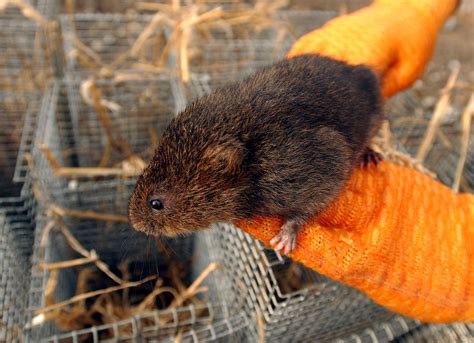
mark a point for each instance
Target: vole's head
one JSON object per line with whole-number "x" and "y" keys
{"x": 191, "y": 182}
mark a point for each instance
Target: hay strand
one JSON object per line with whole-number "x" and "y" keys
{"x": 439, "y": 112}
{"x": 88, "y": 214}
{"x": 83, "y": 171}
{"x": 69, "y": 263}
{"x": 74, "y": 244}
{"x": 92, "y": 294}
{"x": 466, "y": 128}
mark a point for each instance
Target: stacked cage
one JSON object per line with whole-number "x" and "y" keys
{"x": 290, "y": 303}
{"x": 135, "y": 259}
{"x": 232, "y": 55}
{"x": 14, "y": 283}
{"x": 410, "y": 122}
{"x": 86, "y": 200}
{"x": 25, "y": 68}
{"x": 448, "y": 333}
{"x": 95, "y": 133}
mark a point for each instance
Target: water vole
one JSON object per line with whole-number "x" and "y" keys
{"x": 282, "y": 142}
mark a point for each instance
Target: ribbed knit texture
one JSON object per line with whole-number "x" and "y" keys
{"x": 397, "y": 235}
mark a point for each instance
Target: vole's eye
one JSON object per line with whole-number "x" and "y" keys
{"x": 156, "y": 204}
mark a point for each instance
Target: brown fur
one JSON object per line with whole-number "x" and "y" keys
{"x": 280, "y": 143}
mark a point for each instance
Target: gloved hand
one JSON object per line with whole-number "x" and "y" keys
{"x": 394, "y": 37}
{"x": 400, "y": 237}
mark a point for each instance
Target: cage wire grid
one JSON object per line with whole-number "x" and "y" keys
{"x": 409, "y": 123}
{"x": 25, "y": 68}
{"x": 56, "y": 129}
{"x": 315, "y": 308}
{"x": 109, "y": 36}
{"x": 14, "y": 282}
{"x": 72, "y": 132}
{"x": 458, "y": 332}
{"x": 24, "y": 49}
{"x": 212, "y": 320}
{"x": 228, "y": 55}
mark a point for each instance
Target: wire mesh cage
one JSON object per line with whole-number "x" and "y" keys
{"x": 217, "y": 62}
{"x": 231, "y": 60}
{"x": 411, "y": 116}
{"x": 25, "y": 68}
{"x": 124, "y": 6}
{"x": 117, "y": 44}
{"x": 293, "y": 303}
{"x": 235, "y": 53}
{"x": 205, "y": 319}
{"x": 99, "y": 44}
{"x": 14, "y": 284}
{"x": 301, "y": 22}
{"x": 459, "y": 332}
{"x": 26, "y": 60}
{"x": 114, "y": 44}
{"x": 16, "y": 195}
{"x": 89, "y": 158}
{"x": 74, "y": 133}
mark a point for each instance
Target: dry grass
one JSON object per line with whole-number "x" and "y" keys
{"x": 112, "y": 303}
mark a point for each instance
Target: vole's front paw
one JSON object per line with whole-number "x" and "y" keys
{"x": 285, "y": 240}
{"x": 370, "y": 156}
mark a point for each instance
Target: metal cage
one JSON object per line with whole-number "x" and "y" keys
{"x": 109, "y": 37}
{"x": 14, "y": 283}
{"x": 73, "y": 133}
{"x": 294, "y": 303}
{"x": 211, "y": 320}
{"x": 409, "y": 123}
{"x": 459, "y": 332}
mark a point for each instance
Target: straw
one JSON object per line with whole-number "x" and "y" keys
{"x": 466, "y": 128}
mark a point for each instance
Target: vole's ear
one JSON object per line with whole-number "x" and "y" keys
{"x": 227, "y": 157}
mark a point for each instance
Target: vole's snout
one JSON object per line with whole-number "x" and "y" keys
{"x": 151, "y": 212}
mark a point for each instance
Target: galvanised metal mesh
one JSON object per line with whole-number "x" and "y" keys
{"x": 303, "y": 21}
{"x": 16, "y": 197}
{"x": 124, "y": 6}
{"x": 74, "y": 134}
{"x": 227, "y": 59}
{"x": 26, "y": 61}
{"x": 105, "y": 41}
{"x": 25, "y": 68}
{"x": 233, "y": 56}
{"x": 226, "y": 53}
{"x": 14, "y": 283}
{"x": 295, "y": 303}
{"x": 449, "y": 333}
{"x": 409, "y": 122}
{"x": 209, "y": 320}
{"x": 71, "y": 131}
{"x": 15, "y": 110}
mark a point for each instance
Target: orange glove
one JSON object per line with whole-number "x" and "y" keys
{"x": 400, "y": 237}
{"x": 394, "y": 37}
{"x": 395, "y": 234}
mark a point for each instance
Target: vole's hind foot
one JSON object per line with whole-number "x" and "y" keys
{"x": 370, "y": 156}
{"x": 285, "y": 241}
